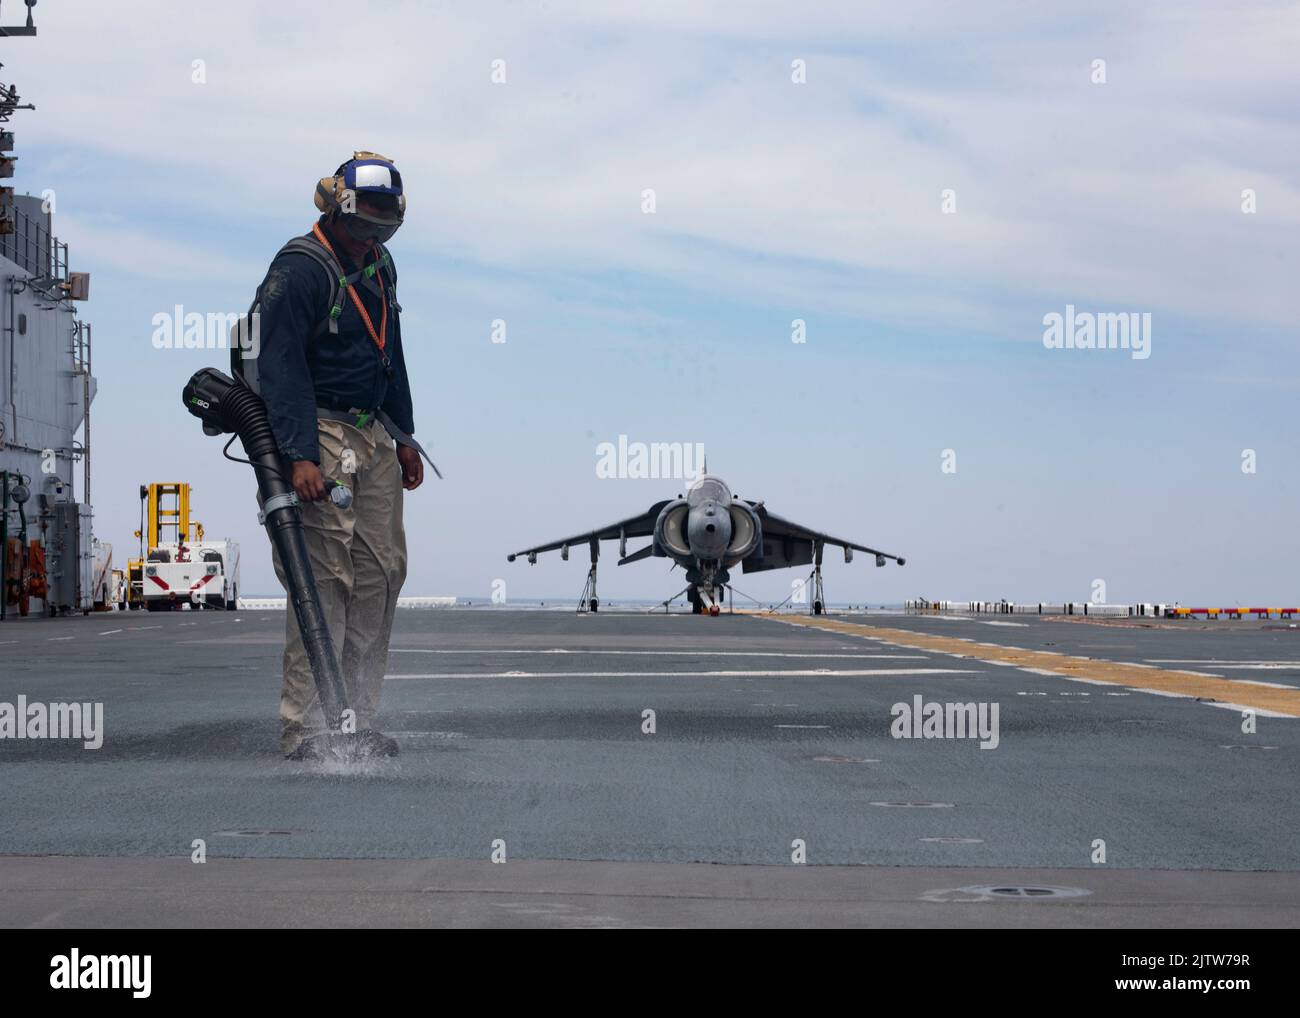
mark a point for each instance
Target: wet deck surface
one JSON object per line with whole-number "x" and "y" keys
{"x": 524, "y": 730}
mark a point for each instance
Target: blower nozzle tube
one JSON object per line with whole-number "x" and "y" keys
{"x": 227, "y": 406}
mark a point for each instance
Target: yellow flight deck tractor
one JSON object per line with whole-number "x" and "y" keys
{"x": 177, "y": 565}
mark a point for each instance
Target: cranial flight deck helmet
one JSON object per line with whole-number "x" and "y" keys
{"x": 373, "y": 175}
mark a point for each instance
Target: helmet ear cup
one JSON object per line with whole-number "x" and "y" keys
{"x": 326, "y": 198}
{"x": 332, "y": 193}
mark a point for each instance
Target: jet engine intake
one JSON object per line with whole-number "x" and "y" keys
{"x": 670, "y": 530}
{"x": 746, "y": 531}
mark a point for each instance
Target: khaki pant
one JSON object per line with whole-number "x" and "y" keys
{"x": 358, "y": 557}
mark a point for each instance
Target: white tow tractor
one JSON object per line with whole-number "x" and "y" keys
{"x": 188, "y": 569}
{"x": 204, "y": 574}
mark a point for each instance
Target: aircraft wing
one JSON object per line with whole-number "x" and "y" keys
{"x": 786, "y": 543}
{"x": 642, "y": 525}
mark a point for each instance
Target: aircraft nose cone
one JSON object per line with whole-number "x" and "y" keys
{"x": 709, "y": 530}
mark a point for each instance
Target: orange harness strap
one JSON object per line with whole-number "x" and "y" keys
{"x": 380, "y": 336}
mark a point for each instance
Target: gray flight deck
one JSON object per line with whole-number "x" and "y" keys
{"x": 523, "y": 729}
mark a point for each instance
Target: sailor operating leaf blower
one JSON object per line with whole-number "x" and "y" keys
{"x": 234, "y": 405}
{"x": 226, "y": 406}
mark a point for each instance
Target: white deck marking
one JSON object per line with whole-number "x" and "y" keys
{"x": 978, "y": 622}
{"x": 1225, "y": 678}
{"x": 658, "y": 653}
{"x": 1225, "y": 664}
{"x": 794, "y": 673}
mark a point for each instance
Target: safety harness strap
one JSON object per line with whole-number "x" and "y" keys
{"x": 337, "y": 277}
{"x": 340, "y": 281}
{"x": 360, "y": 418}
{"x": 345, "y": 283}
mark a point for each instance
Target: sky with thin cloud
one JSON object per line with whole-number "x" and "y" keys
{"x": 774, "y": 201}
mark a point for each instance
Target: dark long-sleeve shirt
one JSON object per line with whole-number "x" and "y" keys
{"x": 299, "y": 370}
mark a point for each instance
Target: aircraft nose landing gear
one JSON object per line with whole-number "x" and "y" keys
{"x": 706, "y": 600}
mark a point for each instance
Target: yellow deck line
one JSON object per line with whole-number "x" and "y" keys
{"x": 1152, "y": 680}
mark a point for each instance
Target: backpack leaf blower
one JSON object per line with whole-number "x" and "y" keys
{"x": 226, "y": 406}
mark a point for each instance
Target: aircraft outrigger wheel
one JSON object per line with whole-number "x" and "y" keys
{"x": 817, "y": 608}
{"x": 587, "y": 600}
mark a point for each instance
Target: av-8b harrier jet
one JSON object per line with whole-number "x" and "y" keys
{"x": 706, "y": 533}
